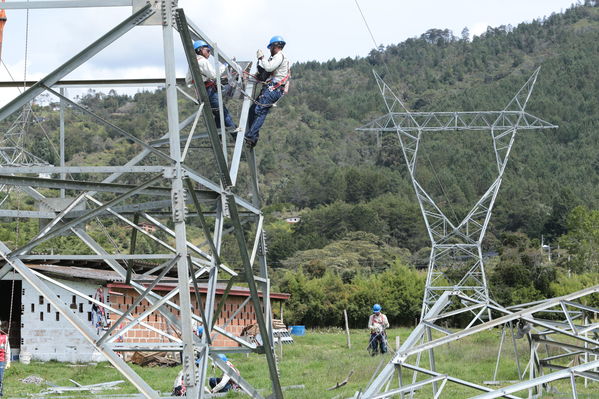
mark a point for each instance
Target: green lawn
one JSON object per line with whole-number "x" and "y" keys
{"x": 317, "y": 361}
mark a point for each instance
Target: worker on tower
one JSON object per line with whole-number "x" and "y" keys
{"x": 377, "y": 324}
{"x": 209, "y": 74}
{"x": 275, "y": 73}
{"x": 4, "y": 354}
{"x": 226, "y": 382}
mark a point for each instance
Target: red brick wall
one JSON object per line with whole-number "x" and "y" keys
{"x": 139, "y": 333}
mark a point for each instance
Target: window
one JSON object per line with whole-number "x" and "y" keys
{"x": 80, "y": 308}
{"x": 41, "y": 316}
{"x": 89, "y": 316}
{"x": 32, "y": 308}
{"x": 48, "y": 307}
{"x": 57, "y": 316}
{"x": 41, "y": 299}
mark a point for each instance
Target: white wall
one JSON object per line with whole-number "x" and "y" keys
{"x": 51, "y": 339}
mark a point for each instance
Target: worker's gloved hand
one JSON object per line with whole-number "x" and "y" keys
{"x": 259, "y": 54}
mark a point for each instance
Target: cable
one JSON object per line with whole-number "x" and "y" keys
{"x": 442, "y": 188}
{"x": 376, "y": 46}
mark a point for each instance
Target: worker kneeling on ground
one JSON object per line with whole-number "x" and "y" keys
{"x": 275, "y": 73}
{"x": 226, "y": 382}
{"x": 377, "y": 324}
{"x": 209, "y": 74}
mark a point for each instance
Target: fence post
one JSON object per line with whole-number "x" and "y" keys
{"x": 347, "y": 329}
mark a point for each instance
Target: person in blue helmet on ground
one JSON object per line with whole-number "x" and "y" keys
{"x": 377, "y": 324}
{"x": 275, "y": 71}
{"x": 208, "y": 71}
{"x": 227, "y": 382}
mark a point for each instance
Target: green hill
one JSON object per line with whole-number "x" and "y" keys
{"x": 316, "y": 165}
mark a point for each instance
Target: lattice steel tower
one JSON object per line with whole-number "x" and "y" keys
{"x": 456, "y": 245}
{"x": 190, "y": 175}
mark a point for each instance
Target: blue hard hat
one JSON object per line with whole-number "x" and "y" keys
{"x": 278, "y": 40}
{"x": 199, "y": 44}
{"x": 200, "y": 330}
{"x": 376, "y": 307}
{"x": 222, "y": 357}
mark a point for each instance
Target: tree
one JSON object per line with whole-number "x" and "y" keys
{"x": 582, "y": 239}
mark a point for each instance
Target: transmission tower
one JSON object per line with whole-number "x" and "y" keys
{"x": 172, "y": 195}
{"x": 456, "y": 245}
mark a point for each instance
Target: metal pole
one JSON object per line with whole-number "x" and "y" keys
{"x": 194, "y": 387}
{"x": 63, "y": 175}
{"x": 347, "y": 329}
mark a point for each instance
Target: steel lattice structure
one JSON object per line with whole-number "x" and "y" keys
{"x": 575, "y": 338}
{"x": 169, "y": 188}
{"x": 462, "y": 240}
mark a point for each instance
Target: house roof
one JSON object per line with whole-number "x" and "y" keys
{"x": 115, "y": 280}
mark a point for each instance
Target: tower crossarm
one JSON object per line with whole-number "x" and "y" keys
{"x": 452, "y": 121}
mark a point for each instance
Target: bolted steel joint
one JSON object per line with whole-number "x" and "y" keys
{"x": 179, "y": 207}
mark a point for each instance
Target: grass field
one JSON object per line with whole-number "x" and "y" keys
{"x": 317, "y": 360}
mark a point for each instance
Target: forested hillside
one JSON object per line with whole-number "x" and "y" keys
{"x": 358, "y": 211}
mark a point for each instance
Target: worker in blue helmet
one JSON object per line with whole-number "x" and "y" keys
{"x": 377, "y": 324}
{"x": 274, "y": 72}
{"x": 228, "y": 381}
{"x": 209, "y": 74}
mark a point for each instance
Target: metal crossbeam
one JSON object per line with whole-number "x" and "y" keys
{"x": 456, "y": 121}
{"x": 76, "y": 61}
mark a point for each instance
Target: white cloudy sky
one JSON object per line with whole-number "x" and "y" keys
{"x": 314, "y": 30}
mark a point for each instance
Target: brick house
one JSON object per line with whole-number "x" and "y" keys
{"x": 40, "y": 330}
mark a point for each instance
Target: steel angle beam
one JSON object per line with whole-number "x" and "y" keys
{"x": 105, "y": 306}
{"x": 455, "y": 380}
{"x": 103, "y": 121}
{"x": 79, "y": 324}
{"x": 5, "y": 170}
{"x": 388, "y": 371}
{"x": 89, "y": 215}
{"x": 76, "y": 185}
{"x": 30, "y": 5}
{"x": 201, "y": 91}
{"x": 499, "y": 321}
{"x": 167, "y": 267}
{"x": 74, "y": 83}
{"x": 76, "y": 61}
{"x": 521, "y": 386}
{"x": 249, "y": 275}
{"x": 98, "y": 257}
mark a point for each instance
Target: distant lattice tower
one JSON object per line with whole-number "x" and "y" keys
{"x": 459, "y": 243}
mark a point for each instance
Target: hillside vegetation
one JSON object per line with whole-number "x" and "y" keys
{"x": 359, "y": 215}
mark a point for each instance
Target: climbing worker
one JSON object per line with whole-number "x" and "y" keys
{"x": 227, "y": 382}
{"x": 209, "y": 74}
{"x": 4, "y": 354}
{"x": 275, "y": 72}
{"x": 377, "y": 324}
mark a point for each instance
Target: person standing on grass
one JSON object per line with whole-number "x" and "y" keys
{"x": 4, "y": 354}
{"x": 377, "y": 324}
